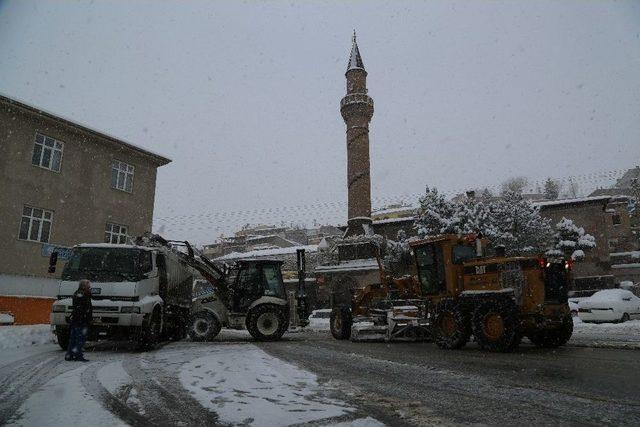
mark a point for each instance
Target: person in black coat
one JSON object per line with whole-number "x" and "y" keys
{"x": 81, "y": 318}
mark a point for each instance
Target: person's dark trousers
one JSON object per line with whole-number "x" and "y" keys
{"x": 77, "y": 339}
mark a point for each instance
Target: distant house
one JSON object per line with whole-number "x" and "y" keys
{"x": 61, "y": 184}
{"x": 607, "y": 219}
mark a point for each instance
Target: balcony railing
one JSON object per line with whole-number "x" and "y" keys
{"x": 356, "y": 98}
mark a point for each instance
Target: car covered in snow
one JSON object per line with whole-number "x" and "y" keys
{"x": 609, "y": 305}
{"x": 319, "y": 320}
{"x": 573, "y": 306}
{"x": 6, "y": 318}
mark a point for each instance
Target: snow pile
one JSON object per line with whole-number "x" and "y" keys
{"x": 257, "y": 389}
{"x": 627, "y": 333}
{"x": 21, "y": 336}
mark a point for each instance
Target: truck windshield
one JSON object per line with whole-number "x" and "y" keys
{"x": 430, "y": 268}
{"x": 107, "y": 264}
{"x": 273, "y": 278}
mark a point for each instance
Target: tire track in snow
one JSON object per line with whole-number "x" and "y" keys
{"x": 164, "y": 400}
{"x": 22, "y": 378}
{"x": 111, "y": 403}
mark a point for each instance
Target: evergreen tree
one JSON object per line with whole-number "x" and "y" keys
{"x": 551, "y": 189}
{"x": 435, "y": 214}
{"x": 571, "y": 241}
{"x": 517, "y": 225}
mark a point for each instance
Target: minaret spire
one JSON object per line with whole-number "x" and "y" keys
{"x": 355, "y": 60}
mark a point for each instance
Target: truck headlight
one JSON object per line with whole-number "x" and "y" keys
{"x": 58, "y": 308}
{"x": 130, "y": 309}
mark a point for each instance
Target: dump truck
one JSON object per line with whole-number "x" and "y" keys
{"x": 140, "y": 292}
{"x": 457, "y": 293}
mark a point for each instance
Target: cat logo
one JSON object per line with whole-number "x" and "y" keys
{"x": 481, "y": 269}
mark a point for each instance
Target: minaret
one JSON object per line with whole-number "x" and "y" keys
{"x": 357, "y": 109}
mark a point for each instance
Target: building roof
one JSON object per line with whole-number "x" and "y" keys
{"x": 267, "y": 253}
{"x": 579, "y": 200}
{"x": 355, "y": 60}
{"x": 155, "y": 157}
{"x": 629, "y": 177}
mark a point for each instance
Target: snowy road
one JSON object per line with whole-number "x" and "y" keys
{"x": 223, "y": 383}
{"x": 311, "y": 379}
{"x": 418, "y": 384}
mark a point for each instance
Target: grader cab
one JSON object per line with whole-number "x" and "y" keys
{"x": 457, "y": 292}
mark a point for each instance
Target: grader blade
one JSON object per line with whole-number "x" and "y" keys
{"x": 367, "y": 331}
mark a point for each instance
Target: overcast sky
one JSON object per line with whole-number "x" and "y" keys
{"x": 244, "y": 97}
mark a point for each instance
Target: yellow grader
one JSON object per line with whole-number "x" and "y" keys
{"x": 457, "y": 293}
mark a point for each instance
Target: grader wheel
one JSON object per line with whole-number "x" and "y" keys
{"x": 340, "y": 323}
{"x": 451, "y": 326}
{"x": 495, "y": 325}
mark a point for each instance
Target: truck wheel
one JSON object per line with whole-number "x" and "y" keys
{"x": 452, "y": 329}
{"x": 204, "y": 327}
{"x": 267, "y": 322}
{"x": 63, "y": 338}
{"x": 340, "y": 323}
{"x": 495, "y": 325}
{"x": 556, "y": 337}
{"x": 150, "y": 335}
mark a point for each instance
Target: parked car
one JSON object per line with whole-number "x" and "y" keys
{"x": 6, "y": 318}
{"x": 319, "y": 320}
{"x": 573, "y": 306}
{"x": 610, "y": 305}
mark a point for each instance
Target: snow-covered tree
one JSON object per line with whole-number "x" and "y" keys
{"x": 435, "y": 214}
{"x": 511, "y": 221}
{"x": 517, "y": 224}
{"x": 571, "y": 240}
{"x": 551, "y": 189}
{"x": 514, "y": 185}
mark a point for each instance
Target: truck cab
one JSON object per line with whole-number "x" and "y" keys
{"x": 138, "y": 292}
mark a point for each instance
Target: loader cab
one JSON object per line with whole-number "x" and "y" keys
{"x": 255, "y": 279}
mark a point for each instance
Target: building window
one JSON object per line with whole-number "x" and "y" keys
{"x": 47, "y": 153}
{"x": 35, "y": 225}
{"x": 115, "y": 233}
{"x": 615, "y": 218}
{"x": 122, "y": 176}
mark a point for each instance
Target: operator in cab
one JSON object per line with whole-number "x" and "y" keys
{"x": 81, "y": 318}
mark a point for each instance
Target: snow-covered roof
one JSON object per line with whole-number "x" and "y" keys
{"x": 158, "y": 158}
{"x": 572, "y": 201}
{"x": 394, "y": 210}
{"x": 111, "y": 245}
{"x": 633, "y": 254}
{"x": 351, "y": 265}
{"x": 266, "y": 253}
{"x": 391, "y": 220}
{"x": 632, "y": 265}
{"x": 355, "y": 60}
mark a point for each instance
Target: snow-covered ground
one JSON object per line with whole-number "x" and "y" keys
{"x": 22, "y": 336}
{"x": 244, "y": 385}
{"x": 63, "y": 401}
{"x": 625, "y": 334}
